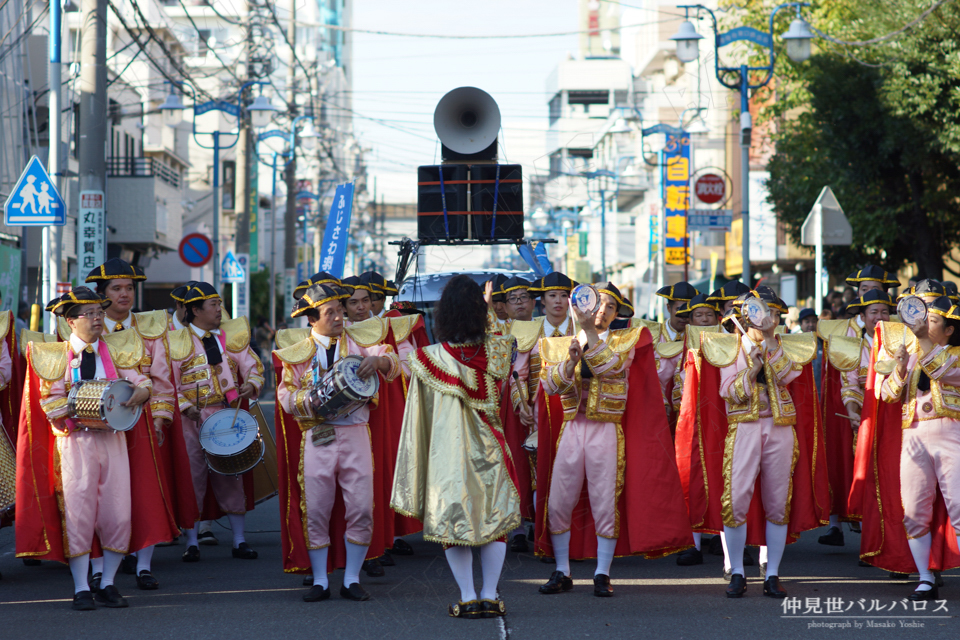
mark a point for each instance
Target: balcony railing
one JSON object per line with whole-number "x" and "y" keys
{"x": 142, "y": 168}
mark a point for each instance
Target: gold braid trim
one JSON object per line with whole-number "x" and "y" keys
{"x": 489, "y": 406}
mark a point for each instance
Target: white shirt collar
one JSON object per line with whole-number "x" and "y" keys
{"x": 78, "y": 345}
{"x": 199, "y": 332}
{"x": 548, "y": 328}
{"x": 324, "y": 341}
{"x": 382, "y": 313}
{"x": 109, "y": 323}
{"x": 670, "y": 332}
{"x": 176, "y": 322}
{"x": 860, "y": 322}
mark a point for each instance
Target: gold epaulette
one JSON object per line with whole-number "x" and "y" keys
{"x": 297, "y": 353}
{"x": 181, "y": 344}
{"x": 669, "y": 349}
{"x": 694, "y": 333}
{"x": 27, "y": 336}
{"x": 895, "y": 318}
{"x": 152, "y": 324}
{"x": 622, "y": 340}
{"x": 368, "y": 333}
{"x": 780, "y": 329}
{"x": 237, "y": 332}
{"x": 652, "y": 325}
{"x": 843, "y": 352}
{"x": 126, "y": 348}
{"x": 403, "y": 326}
{"x": 527, "y": 332}
{"x": 894, "y": 334}
{"x": 289, "y": 337}
{"x": 499, "y": 355}
{"x": 827, "y": 328}
{"x": 801, "y": 348}
{"x": 6, "y": 321}
{"x": 554, "y": 351}
{"x": 720, "y": 349}
{"x": 49, "y": 359}
{"x": 63, "y": 328}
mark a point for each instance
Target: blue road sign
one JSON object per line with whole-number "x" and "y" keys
{"x": 231, "y": 270}
{"x": 35, "y": 201}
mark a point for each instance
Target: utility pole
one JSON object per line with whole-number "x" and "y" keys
{"x": 91, "y": 227}
{"x": 290, "y": 219}
{"x": 241, "y": 203}
{"x": 52, "y": 235}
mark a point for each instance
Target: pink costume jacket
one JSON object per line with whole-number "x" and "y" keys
{"x": 749, "y": 402}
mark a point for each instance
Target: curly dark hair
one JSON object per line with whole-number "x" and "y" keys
{"x": 461, "y": 314}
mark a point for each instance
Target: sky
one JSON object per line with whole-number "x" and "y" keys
{"x": 399, "y": 80}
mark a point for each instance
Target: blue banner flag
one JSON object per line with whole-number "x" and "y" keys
{"x": 333, "y": 251}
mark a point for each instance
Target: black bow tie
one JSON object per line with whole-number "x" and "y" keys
{"x": 212, "y": 349}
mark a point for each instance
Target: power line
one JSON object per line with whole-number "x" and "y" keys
{"x": 214, "y": 49}
{"x": 515, "y": 36}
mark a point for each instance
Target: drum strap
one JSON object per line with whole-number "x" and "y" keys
{"x": 210, "y": 345}
{"x": 88, "y": 365}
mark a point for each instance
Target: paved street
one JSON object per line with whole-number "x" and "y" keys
{"x": 225, "y": 598}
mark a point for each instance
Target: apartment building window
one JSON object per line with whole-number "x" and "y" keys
{"x": 556, "y": 107}
{"x": 229, "y": 184}
{"x": 203, "y": 41}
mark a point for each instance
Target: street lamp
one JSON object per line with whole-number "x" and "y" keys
{"x": 309, "y": 136}
{"x": 261, "y": 112}
{"x": 797, "y": 38}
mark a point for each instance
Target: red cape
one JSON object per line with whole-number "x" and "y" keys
{"x": 875, "y": 491}
{"x": 10, "y": 399}
{"x": 39, "y": 533}
{"x": 292, "y": 518}
{"x": 838, "y": 443}
{"x": 653, "y": 523}
{"x": 701, "y": 435}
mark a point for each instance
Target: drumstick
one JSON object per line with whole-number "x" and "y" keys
{"x": 521, "y": 389}
{"x": 235, "y": 414}
{"x": 843, "y": 415}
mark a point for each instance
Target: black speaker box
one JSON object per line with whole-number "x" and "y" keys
{"x": 507, "y": 192}
{"x": 430, "y": 219}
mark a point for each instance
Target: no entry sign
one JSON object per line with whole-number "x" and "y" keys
{"x": 196, "y": 250}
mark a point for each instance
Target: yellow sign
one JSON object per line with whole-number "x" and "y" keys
{"x": 733, "y": 261}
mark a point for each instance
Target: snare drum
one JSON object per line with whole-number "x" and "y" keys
{"x": 341, "y": 391}
{"x": 231, "y": 446}
{"x": 98, "y": 404}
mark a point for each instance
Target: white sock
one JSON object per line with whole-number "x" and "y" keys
{"x": 726, "y": 556}
{"x": 460, "y": 560}
{"x": 763, "y": 554}
{"x": 78, "y": 569}
{"x": 191, "y": 535}
{"x": 605, "y": 547}
{"x": 205, "y": 526}
{"x": 355, "y": 556}
{"x": 236, "y": 524}
{"x": 144, "y": 556}
{"x": 111, "y": 562}
{"x": 776, "y": 543}
{"x": 96, "y": 564}
{"x": 696, "y": 539}
{"x": 491, "y": 564}
{"x": 920, "y": 549}
{"x": 561, "y": 551}
{"x": 318, "y": 562}
{"x": 736, "y": 541}
{"x": 835, "y": 521}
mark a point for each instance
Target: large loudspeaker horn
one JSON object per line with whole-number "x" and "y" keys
{"x": 467, "y": 121}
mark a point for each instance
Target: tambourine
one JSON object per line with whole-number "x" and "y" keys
{"x": 585, "y": 298}
{"x": 755, "y": 311}
{"x": 912, "y": 311}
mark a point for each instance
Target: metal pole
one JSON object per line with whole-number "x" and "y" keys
{"x": 290, "y": 219}
{"x": 273, "y": 245}
{"x": 746, "y": 125}
{"x": 50, "y": 235}
{"x": 818, "y": 263}
{"x": 603, "y": 235}
{"x": 662, "y": 249}
{"x": 216, "y": 210}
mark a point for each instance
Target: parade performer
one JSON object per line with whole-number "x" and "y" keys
{"x": 454, "y": 470}
{"x": 497, "y": 303}
{"x": 904, "y": 480}
{"x": 357, "y": 307}
{"x": 74, "y": 484}
{"x": 848, "y": 345}
{"x": 518, "y": 300}
{"x": 871, "y": 277}
{"x": 379, "y": 290}
{"x": 607, "y": 436}
{"x": 771, "y": 411}
{"x": 176, "y": 321}
{"x": 668, "y": 341}
{"x": 214, "y": 368}
{"x": 329, "y": 464}
{"x": 725, "y": 296}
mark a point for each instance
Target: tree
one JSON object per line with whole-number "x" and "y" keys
{"x": 897, "y": 182}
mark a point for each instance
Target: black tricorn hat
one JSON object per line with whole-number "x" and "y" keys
{"x": 77, "y": 297}
{"x": 115, "y": 269}
{"x": 681, "y": 291}
{"x": 872, "y": 272}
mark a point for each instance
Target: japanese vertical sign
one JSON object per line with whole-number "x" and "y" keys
{"x": 333, "y": 251}
{"x": 253, "y": 206}
{"x": 676, "y": 197}
{"x": 91, "y": 248}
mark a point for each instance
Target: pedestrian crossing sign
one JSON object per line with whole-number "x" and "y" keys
{"x": 231, "y": 270}
{"x": 35, "y": 201}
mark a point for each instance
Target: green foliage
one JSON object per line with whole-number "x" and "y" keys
{"x": 260, "y": 297}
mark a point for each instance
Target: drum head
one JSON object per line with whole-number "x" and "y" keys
{"x": 585, "y": 298}
{"x": 221, "y": 436}
{"x": 912, "y": 311}
{"x": 119, "y": 418}
{"x": 755, "y": 311}
{"x": 363, "y": 388}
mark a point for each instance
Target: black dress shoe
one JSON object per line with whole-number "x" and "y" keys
{"x": 401, "y": 548}
{"x": 470, "y": 610}
{"x": 95, "y": 582}
{"x": 772, "y": 588}
{"x": 32, "y": 562}
{"x": 690, "y": 557}
{"x": 557, "y": 583}
{"x": 833, "y": 537}
{"x": 930, "y": 594}
{"x": 492, "y": 608}
{"x": 110, "y": 597}
{"x": 308, "y": 580}
{"x": 354, "y": 592}
{"x": 386, "y": 560}
{"x": 855, "y": 527}
{"x": 317, "y": 593}
{"x": 864, "y": 563}
{"x": 83, "y": 601}
{"x": 747, "y": 558}
{"x": 146, "y": 581}
{"x": 244, "y": 552}
{"x": 737, "y": 586}
{"x": 716, "y": 546}
{"x": 192, "y": 554}
{"x": 207, "y": 538}
{"x": 129, "y": 565}
{"x": 373, "y": 568}
{"x": 519, "y": 544}
{"x": 763, "y": 570}
{"x": 601, "y": 586}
